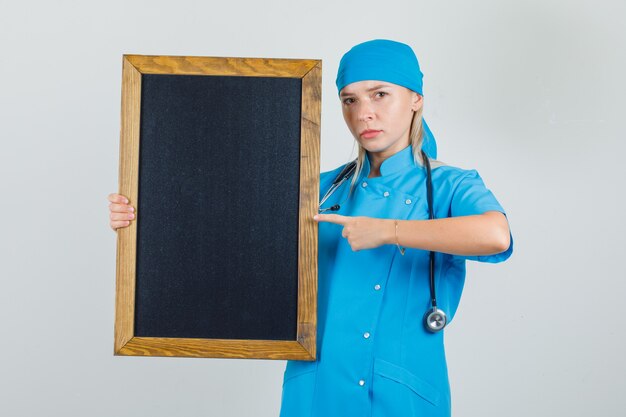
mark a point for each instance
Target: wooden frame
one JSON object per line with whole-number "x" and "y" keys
{"x": 304, "y": 348}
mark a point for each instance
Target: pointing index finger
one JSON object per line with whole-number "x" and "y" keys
{"x": 331, "y": 218}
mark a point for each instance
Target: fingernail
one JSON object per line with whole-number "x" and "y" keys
{"x": 132, "y": 209}
{"x": 315, "y": 217}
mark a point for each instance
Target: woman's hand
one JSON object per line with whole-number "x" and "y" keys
{"x": 362, "y": 232}
{"x": 121, "y": 212}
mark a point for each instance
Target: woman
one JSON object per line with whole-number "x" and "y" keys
{"x": 376, "y": 355}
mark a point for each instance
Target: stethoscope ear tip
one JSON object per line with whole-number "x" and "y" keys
{"x": 336, "y": 207}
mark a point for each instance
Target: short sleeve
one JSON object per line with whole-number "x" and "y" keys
{"x": 470, "y": 197}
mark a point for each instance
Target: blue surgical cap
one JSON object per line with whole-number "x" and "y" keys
{"x": 390, "y": 61}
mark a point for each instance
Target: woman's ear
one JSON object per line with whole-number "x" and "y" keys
{"x": 416, "y": 101}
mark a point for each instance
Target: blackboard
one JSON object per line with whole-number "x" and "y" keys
{"x": 220, "y": 157}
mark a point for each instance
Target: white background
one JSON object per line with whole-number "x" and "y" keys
{"x": 529, "y": 93}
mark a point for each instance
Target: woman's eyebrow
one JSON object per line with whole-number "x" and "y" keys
{"x": 376, "y": 87}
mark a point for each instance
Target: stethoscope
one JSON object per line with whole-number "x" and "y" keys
{"x": 434, "y": 319}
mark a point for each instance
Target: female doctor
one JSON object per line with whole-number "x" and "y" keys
{"x": 380, "y": 312}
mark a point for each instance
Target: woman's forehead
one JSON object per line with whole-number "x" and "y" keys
{"x": 366, "y": 85}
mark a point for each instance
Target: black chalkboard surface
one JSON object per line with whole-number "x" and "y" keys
{"x": 220, "y": 156}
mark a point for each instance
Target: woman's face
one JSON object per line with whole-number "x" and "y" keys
{"x": 379, "y": 114}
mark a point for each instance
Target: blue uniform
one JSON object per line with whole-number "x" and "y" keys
{"x": 374, "y": 356}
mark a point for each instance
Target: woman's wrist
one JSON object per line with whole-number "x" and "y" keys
{"x": 389, "y": 231}
{"x": 400, "y": 248}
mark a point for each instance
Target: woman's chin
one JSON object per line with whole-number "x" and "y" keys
{"x": 374, "y": 147}
{"x": 371, "y": 145}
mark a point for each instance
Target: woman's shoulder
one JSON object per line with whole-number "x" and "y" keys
{"x": 451, "y": 173}
{"x": 333, "y": 172}
{"x": 465, "y": 189}
{"x": 327, "y": 177}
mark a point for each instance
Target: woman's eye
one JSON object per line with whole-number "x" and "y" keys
{"x": 383, "y": 93}
{"x": 348, "y": 101}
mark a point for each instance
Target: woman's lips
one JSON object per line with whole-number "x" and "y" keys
{"x": 368, "y": 134}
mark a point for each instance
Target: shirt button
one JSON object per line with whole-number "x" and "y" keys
{"x": 408, "y": 201}
{"x": 364, "y": 184}
{"x": 361, "y": 382}
{"x": 386, "y": 193}
{"x": 377, "y": 287}
{"x": 366, "y": 335}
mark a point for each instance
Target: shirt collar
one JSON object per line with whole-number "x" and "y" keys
{"x": 395, "y": 163}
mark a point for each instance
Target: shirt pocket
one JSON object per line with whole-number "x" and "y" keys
{"x": 397, "y": 390}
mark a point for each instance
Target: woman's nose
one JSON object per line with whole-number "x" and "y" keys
{"x": 365, "y": 113}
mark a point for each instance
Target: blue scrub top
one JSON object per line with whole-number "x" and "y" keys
{"x": 374, "y": 356}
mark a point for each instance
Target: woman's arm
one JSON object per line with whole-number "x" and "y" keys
{"x": 482, "y": 234}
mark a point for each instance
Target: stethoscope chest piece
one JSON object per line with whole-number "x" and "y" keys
{"x": 435, "y": 320}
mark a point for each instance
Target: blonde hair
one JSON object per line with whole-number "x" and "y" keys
{"x": 416, "y": 138}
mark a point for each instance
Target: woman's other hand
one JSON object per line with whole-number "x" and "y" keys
{"x": 121, "y": 213}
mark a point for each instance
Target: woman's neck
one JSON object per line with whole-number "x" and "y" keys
{"x": 376, "y": 160}
{"x": 374, "y": 171}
